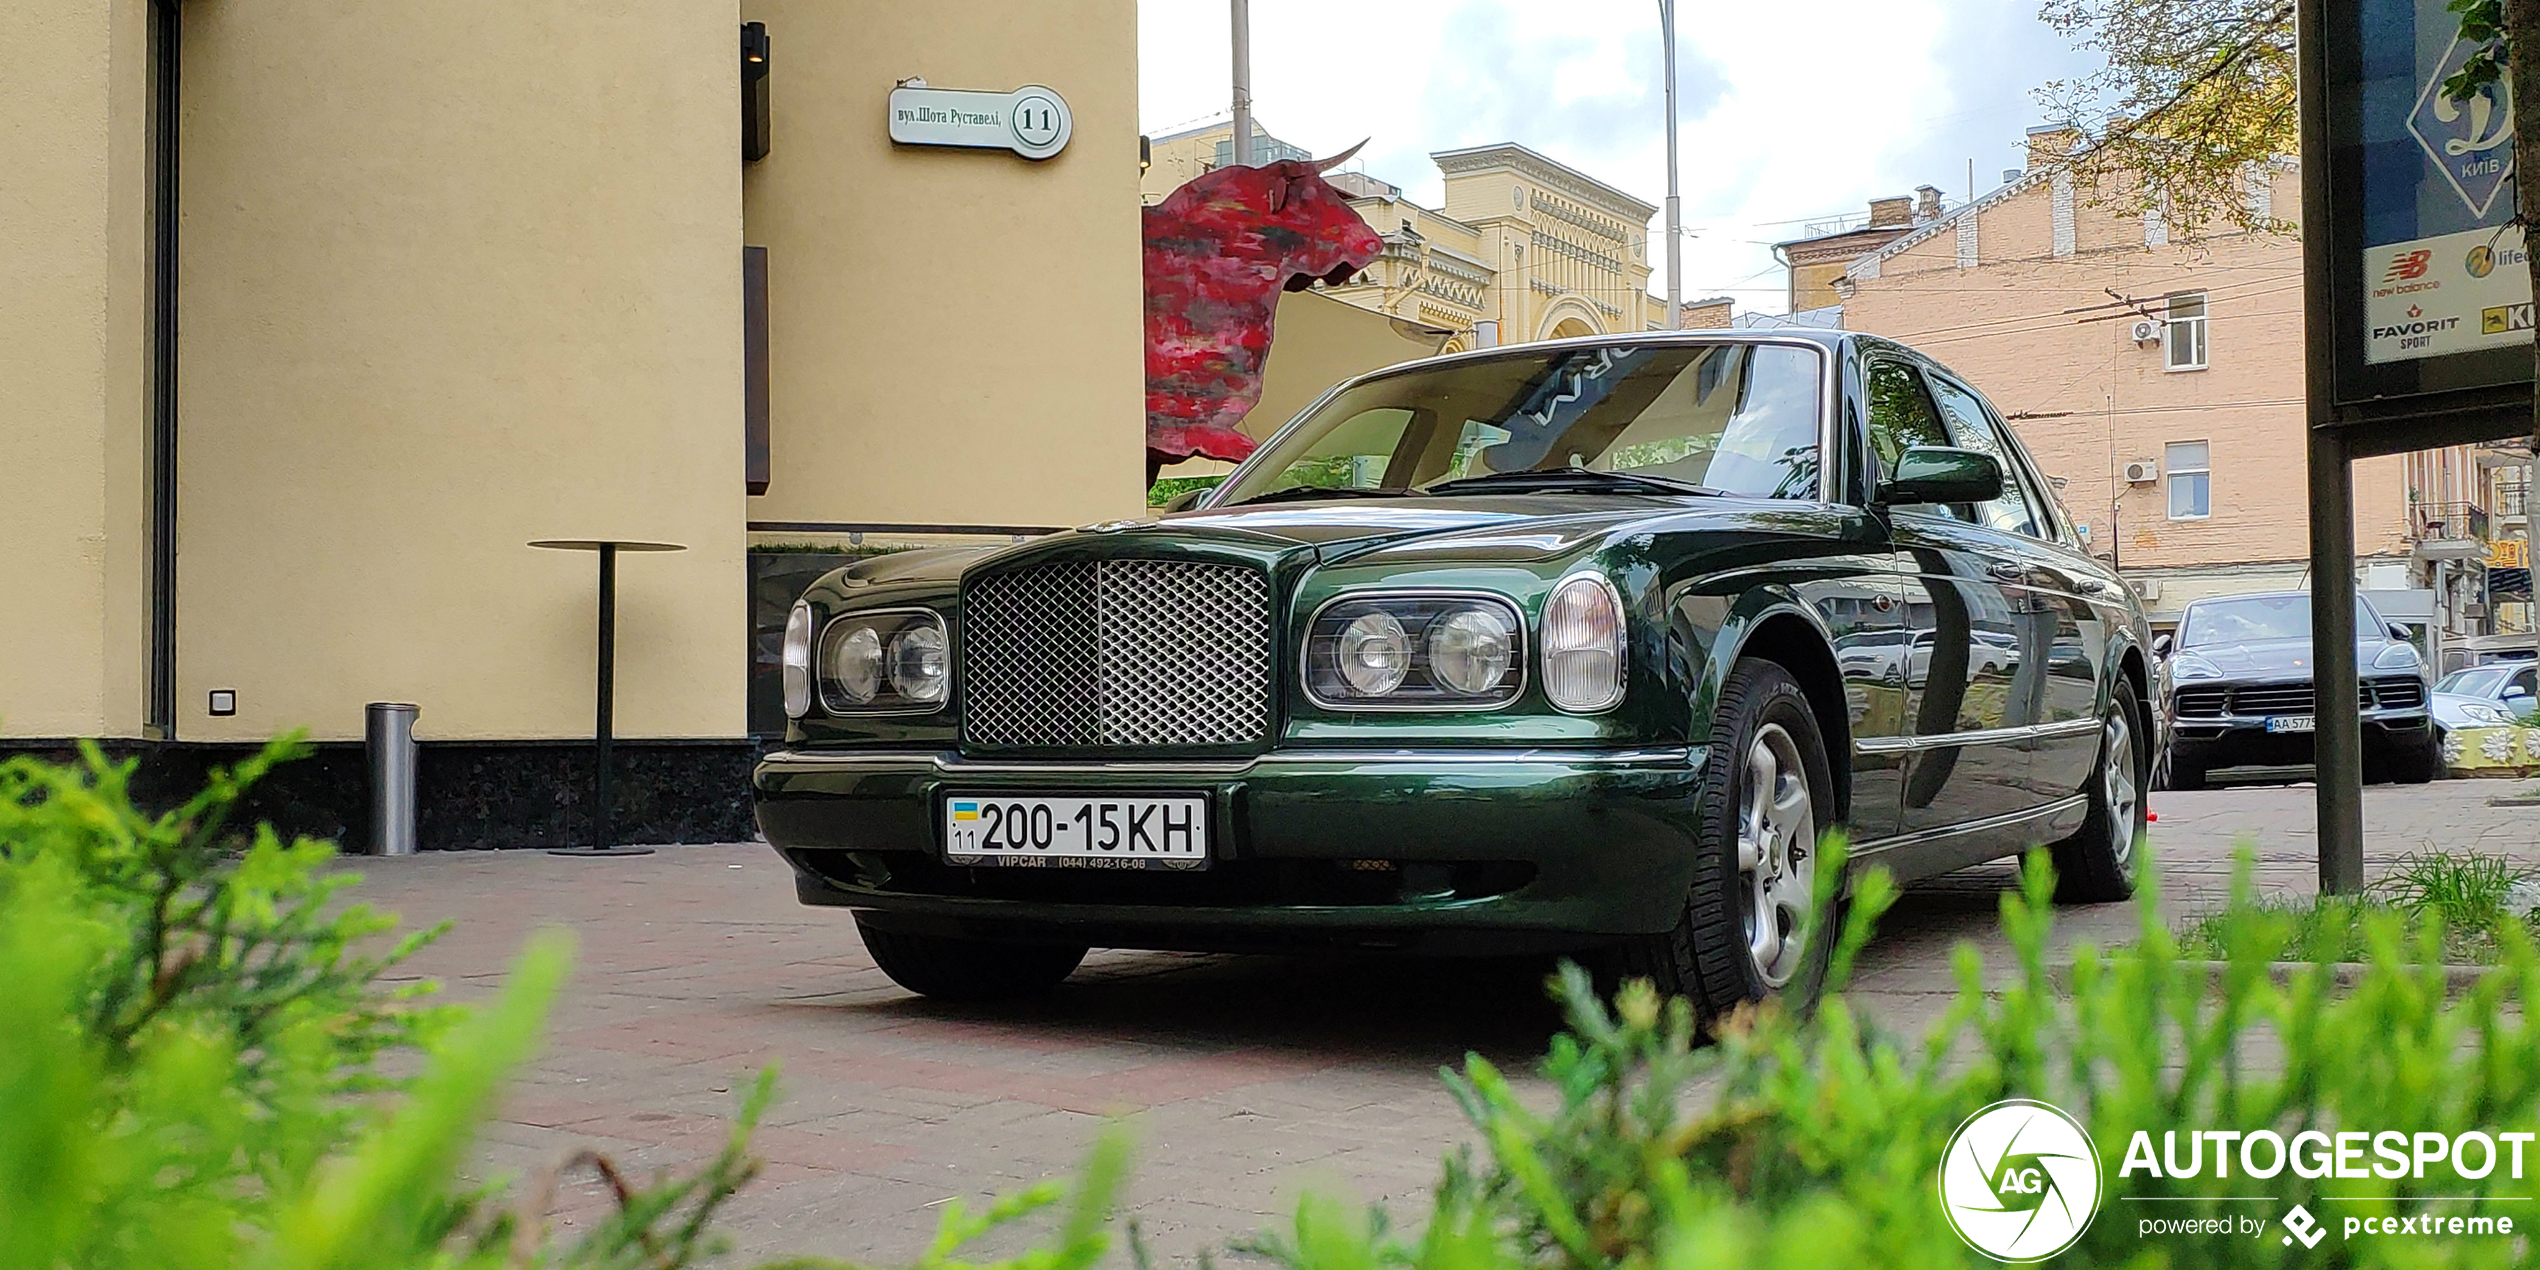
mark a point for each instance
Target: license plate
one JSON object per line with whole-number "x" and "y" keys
{"x": 2291, "y": 723}
{"x": 1168, "y": 832}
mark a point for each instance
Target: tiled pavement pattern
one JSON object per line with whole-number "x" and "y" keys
{"x": 1244, "y": 1080}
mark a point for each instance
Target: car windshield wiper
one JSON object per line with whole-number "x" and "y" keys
{"x": 1575, "y": 477}
{"x": 1300, "y": 493}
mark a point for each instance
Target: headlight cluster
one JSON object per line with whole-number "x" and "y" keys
{"x": 2396, "y": 657}
{"x": 1416, "y": 651}
{"x": 897, "y": 659}
{"x": 1583, "y": 635}
{"x": 2484, "y": 714}
{"x": 2191, "y": 666}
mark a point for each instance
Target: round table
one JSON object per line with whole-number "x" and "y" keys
{"x": 607, "y": 549}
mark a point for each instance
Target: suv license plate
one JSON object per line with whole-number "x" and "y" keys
{"x": 2290, "y": 723}
{"x": 1086, "y": 833}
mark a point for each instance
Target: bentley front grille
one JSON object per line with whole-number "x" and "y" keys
{"x": 1128, "y": 654}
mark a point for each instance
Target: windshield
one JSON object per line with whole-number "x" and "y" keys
{"x": 2473, "y": 683}
{"x": 2248, "y": 618}
{"x": 1738, "y": 418}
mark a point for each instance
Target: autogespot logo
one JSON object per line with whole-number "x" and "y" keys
{"x": 2020, "y": 1180}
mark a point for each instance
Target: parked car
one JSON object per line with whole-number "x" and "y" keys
{"x": 2486, "y": 696}
{"x": 1577, "y": 645}
{"x": 2240, "y": 691}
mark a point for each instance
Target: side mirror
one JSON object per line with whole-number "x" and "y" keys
{"x": 1942, "y": 474}
{"x": 2161, "y": 645}
{"x": 1185, "y": 500}
{"x": 2398, "y": 632}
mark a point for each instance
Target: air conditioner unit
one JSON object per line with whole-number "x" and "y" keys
{"x": 2143, "y": 472}
{"x": 2148, "y": 588}
{"x": 2146, "y": 331}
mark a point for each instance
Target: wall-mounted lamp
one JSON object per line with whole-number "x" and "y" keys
{"x": 755, "y": 132}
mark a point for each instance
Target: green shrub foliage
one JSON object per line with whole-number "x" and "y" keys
{"x": 1815, "y": 1141}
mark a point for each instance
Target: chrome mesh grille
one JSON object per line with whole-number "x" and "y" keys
{"x": 1116, "y": 653}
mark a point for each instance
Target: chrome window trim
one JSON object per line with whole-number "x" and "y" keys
{"x": 820, "y": 680}
{"x": 1980, "y": 736}
{"x": 1829, "y": 390}
{"x": 1305, "y": 650}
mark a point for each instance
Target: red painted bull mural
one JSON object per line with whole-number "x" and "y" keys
{"x": 1219, "y": 251}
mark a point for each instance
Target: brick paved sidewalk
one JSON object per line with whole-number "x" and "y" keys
{"x": 1243, "y": 1080}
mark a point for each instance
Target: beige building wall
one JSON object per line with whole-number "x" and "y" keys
{"x": 1023, "y": 404}
{"x": 2029, "y": 321}
{"x": 456, "y": 277}
{"x": 74, "y": 223}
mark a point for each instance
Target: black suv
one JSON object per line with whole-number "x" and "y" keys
{"x": 2240, "y": 690}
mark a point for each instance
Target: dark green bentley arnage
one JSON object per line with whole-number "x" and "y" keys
{"x": 1576, "y": 645}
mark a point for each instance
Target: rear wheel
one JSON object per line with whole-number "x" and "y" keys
{"x": 1746, "y": 930}
{"x": 954, "y": 969}
{"x": 2098, "y": 864}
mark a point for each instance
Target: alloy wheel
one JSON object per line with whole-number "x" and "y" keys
{"x": 2125, "y": 794}
{"x": 1776, "y": 854}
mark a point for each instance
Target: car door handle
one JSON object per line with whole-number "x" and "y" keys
{"x": 2007, "y": 571}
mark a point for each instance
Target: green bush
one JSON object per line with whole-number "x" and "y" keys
{"x": 191, "y": 1066}
{"x": 1817, "y": 1141}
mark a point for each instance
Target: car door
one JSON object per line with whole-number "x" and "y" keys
{"x": 2056, "y": 604}
{"x": 1966, "y": 760}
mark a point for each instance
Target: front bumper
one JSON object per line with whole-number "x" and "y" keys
{"x": 2235, "y": 740}
{"x": 1449, "y": 850}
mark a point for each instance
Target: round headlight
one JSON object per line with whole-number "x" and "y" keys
{"x": 855, "y": 664}
{"x": 1583, "y": 644}
{"x": 797, "y": 661}
{"x": 1469, "y": 651}
{"x": 918, "y": 665}
{"x": 1375, "y": 654}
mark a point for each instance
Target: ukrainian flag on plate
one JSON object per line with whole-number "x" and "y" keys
{"x": 965, "y": 811}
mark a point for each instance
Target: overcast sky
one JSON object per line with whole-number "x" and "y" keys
{"x": 1791, "y": 109}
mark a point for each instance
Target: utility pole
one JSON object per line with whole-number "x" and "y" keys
{"x": 1675, "y": 202}
{"x": 1243, "y": 82}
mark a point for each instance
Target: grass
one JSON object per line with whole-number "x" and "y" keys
{"x": 2465, "y": 902}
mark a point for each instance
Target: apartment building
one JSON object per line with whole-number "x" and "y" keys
{"x": 2159, "y": 380}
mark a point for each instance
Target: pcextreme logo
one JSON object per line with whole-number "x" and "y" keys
{"x": 2020, "y": 1180}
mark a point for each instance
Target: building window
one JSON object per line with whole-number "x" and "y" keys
{"x": 2183, "y": 336}
{"x": 2189, "y": 466}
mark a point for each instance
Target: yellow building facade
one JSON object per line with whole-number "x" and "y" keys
{"x": 1523, "y": 248}
{"x": 320, "y": 313}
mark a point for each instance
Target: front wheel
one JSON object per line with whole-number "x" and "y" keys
{"x": 954, "y": 969}
{"x": 2098, "y": 864}
{"x": 1747, "y": 929}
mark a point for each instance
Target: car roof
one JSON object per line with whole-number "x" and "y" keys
{"x": 1818, "y": 336}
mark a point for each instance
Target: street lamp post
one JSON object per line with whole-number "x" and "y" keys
{"x": 1242, "y": 16}
{"x": 1675, "y": 203}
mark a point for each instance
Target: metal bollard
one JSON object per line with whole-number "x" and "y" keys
{"x": 390, "y": 739}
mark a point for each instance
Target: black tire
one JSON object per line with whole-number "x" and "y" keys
{"x": 2183, "y": 773}
{"x": 1706, "y": 958}
{"x": 2415, "y": 765}
{"x": 952, "y": 969}
{"x": 2099, "y": 863}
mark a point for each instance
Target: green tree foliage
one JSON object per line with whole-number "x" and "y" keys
{"x": 2196, "y": 99}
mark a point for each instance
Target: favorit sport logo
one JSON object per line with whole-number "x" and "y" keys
{"x": 2020, "y": 1180}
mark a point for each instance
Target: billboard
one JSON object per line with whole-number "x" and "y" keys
{"x": 2431, "y": 284}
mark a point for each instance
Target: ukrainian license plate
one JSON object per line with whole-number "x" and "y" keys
{"x": 1169, "y": 832}
{"x": 2291, "y": 723}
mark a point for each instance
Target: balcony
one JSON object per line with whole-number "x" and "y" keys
{"x": 2448, "y": 531}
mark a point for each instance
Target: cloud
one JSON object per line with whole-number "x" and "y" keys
{"x": 1787, "y": 112}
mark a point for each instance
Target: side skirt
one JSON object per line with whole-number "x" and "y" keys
{"x": 1936, "y": 851}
